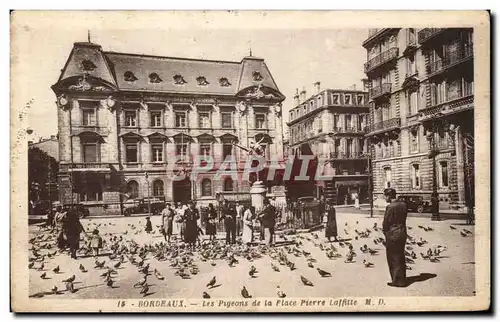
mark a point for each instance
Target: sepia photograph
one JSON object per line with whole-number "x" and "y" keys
{"x": 250, "y": 161}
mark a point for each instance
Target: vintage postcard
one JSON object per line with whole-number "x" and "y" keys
{"x": 250, "y": 161}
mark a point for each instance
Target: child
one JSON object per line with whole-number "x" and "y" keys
{"x": 95, "y": 242}
{"x": 149, "y": 226}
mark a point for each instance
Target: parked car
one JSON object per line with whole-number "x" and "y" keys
{"x": 141, "y": 206}
{"x": 416, "y": 203}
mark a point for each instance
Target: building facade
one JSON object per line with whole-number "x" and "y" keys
{"x": 421, "y": 89}
{"x": 49, "y": 145}
{"x": 128, "y": 124}
{"x": 331, "y": 125}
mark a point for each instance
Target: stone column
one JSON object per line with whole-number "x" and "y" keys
{"x": 460, "y": 165}
{"x": 257, "y": 194}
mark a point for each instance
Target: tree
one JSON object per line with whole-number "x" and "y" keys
{"x": 42, "y": 174}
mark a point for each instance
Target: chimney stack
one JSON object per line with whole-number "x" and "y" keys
{"x": 317, "y": 86}
{"x": 303, "y": 95}
{"x": 296, "y": 97}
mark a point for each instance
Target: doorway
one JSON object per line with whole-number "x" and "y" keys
{"x": 182, "y": 191}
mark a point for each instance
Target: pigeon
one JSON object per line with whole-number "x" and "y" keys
{"x": 463, "y": 234}
{"x": 144, "y": 290}
{"x": 142, "y": 281}
{"x": 275, "y": 268}
{"x": 54, "y": 289}
{"x": 31, "y": 265}
{"x": 244, "y": 293}
{"x": 368, "y": 264}
{"x": 408, "y": 267}
{"x": 70, "y": 279}
{"x": 43, "y": 276}
{"x": 70, "y": 287}
{"x": 424, "y": 256}
{"x": 280, "y": 293}
{"x": 310, "y": 264}
{"x": 212, "y": 282}
{"x": 99, "y": 264}
{"x": 83, "y": 269}
{"x": 452, "y": 227}
{"x": 56, "y": 270}
{"x": 252, "y": 271}
{"x": 158, "y": 275}
{"x": 42, "y": 266}
{"x": 372, "y": 251}
{"x": 117, "y": 265}
{"x": 206, "y": 295}
{"x": 109, "y": 282}
{"x": 434, "y": 259}
{"x": 467, "y": 231}
{"x": 305, "y": 281}
{"x": 409, "y": 260}
{"x": 323, "y": 273}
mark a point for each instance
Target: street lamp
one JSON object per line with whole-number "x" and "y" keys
{"x": 146, "y": 175}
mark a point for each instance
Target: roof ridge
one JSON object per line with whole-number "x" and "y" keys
{"x": 170, "y": 57}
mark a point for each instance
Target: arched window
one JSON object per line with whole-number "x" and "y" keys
{"x": 157, "y": 188}
{"x": 228, "y": 184}
{"x": 133, "y": 189}
{"x": 206, "y": 188}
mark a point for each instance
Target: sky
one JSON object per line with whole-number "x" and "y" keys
{"x": 297, "y": 58}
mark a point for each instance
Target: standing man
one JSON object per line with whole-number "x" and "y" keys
{"x": 394, "y": 228}
{"x": 239, "y": 218}
{"x": 229, "y": 216}
{"x": 268, "y": 220}
{"x": 167, "y": 221}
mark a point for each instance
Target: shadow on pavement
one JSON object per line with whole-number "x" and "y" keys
{"x": 419, "y": 278}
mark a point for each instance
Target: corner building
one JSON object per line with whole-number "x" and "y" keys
{"x": 421, "y": 88}
{"x": 123, "y": 120}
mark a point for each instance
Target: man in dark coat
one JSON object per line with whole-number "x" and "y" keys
{"x": 268, "y": 221}
{"x": 394, "y": 228}
{"x": 228, "y": 213}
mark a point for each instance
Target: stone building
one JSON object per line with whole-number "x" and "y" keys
{"x": 331, "y": 125}
{"x": 421, "y": 112}
{"x": 129, "y": 123}
{"x": 48, "y": 145}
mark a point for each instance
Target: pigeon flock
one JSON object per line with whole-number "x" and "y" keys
{"x": 156, "y": 263}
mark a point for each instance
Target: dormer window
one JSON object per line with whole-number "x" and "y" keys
{"x": 179, "y": 80}
{"x": 154, "y": 78}
{"x": 257, "y": 76}
{"x": 202, "y": 81}
{"x": 224, "y": 82}
{"x": 88, "y": 65}
{"x": 129, "y": 77}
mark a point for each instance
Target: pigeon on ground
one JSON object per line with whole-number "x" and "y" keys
{"x": 144, "y": 290}
{"x": 280, "y": 293}
{"x": 43, "y": 276}
{"x": 70, "y": 279}
{"x": 56, "y": 270}
{"x": 244, "y": 293}
{"x": 305, "y": 281}
{"x": 158, "y": 275}
{"x": 323, "y": 273}
{"x": 206, "y": 295}
{"x": 142, "y": 281}
{"x": 368, "y": 264}
{"x": 212, "y": 282}
{"x": 82, "y": 269}
{"x": 109, "y": 282}
{"x": 70, "y": 287}
{"x": 54, "y": 289}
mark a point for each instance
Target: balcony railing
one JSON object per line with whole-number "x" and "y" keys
{"x": 86, "y": 166}
{"x": 386, "y": 125}
{"x": 350, "y": 155}
{"x": 427, "y": 33}
{"x": 350, "y": 129}
{"x": 462, "y": 103}
{"x": 380, "y": 90}
{"x": 453, "y": 58}
{"x": 381, "y": 59}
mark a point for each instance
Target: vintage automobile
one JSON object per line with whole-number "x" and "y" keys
{"x": 416, "y": 203}
{"x": 141, "y": 206}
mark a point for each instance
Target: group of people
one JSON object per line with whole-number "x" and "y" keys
{"x": 67, "y": 227}
{"x": 238, "y": 219}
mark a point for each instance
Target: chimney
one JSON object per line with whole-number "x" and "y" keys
{"x": 296, "y": 97}
{"x": 303, "y": 94}
{"x": 317, "y": 86}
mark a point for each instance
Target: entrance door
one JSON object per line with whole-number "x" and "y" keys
{"x": 182, "y": 191}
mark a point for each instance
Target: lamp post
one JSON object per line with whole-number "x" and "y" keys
{"x": 370, "y": 178}
{"x": 146, "y": 175}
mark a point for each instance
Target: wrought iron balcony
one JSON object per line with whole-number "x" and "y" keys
{"x": 463, "y": 103}
{"x": 386, "y": 125}
{"x": 350, "y": 129}
{"x": 427, "y": 33}
{"x": 453, "y": 58}
{"x": 86, "y": 166}
{"x": 350, "y": 155}
{"x": 381, "y": 90}
{"x": 381, "y": 59}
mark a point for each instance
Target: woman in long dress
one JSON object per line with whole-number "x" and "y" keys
{"x": 191, "y": 216}
{"x": 210, "y": 229}
{"x": 331, "y": 222}
{"x": 248, "y": 217}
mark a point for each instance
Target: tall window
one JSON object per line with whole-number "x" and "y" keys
{"x": 89, "y": 117}
{"x": 227, "y": 149}
{"x": 204, "y": 120}
{"x": 360, "y": 100}
{"x": 180, "y": 119}
{"x": 387, "y": 177}
{"x": 361, "y": 122}
{"x": 205, "y": 149}
{"x": 158, "y": 188}
{"x": 227, "y": 120}
{"x": 412, "y": 102}
{"x": 336, "y": 121}
{"x": 157, "y": 152}
{"x": 181, "y": 149}
{"x": 130, "y": 118}
{"x": 348, "y": 148}
{"x": 206, "y": 187}
{"x": 335, "y": 99}
{"x": 347, "y": 99}
{"x": 260, "y": 121}
{"x": 155, "y": 119}
{"x": 443, "y": 174}
{"x": 131, "y": 153}
{"x": 348, "y": 121}
{"x": 415, "y": 176}
{"x": 412, "y": 39}
{"x": 411, "y": 67}
{"x": 414, "y": 141}
{"x": 228, "y": 184}
{"x": 133, "y": 189}
{"x": 92, "y": 191}
{"x": 90, "y": 152}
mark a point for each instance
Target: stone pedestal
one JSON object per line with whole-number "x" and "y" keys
{"x": 257, "y": 194}
{"x": 279, "y": 194}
